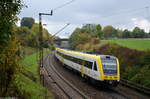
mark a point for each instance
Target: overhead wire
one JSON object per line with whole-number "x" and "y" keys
{"x": 63, "y": 5}
{"x": 61, "y": 30}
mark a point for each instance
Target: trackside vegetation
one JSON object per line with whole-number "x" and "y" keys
{"x": 9, "y": 47}
{"x": 28, "y": 82}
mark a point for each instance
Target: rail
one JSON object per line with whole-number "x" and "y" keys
{"x": 134, "y": 86}
{"x": 67, "y": 82}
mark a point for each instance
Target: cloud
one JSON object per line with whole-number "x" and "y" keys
{"x": 142, "y": 23}
{"x": 105, "y": 12}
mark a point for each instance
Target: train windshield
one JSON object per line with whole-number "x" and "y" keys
{"x": 109, "y": 66}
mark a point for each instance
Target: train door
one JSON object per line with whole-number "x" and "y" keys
{"x": 82, "y": 68}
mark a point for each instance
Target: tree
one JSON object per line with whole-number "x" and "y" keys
{"x": 119, "y": 33}
{"x": 22, "y": 34}
{"x": 126, "y": 34}
{"x": 138, "y": 33}
{"x": 90, "y": 29}
{"x": 77, "y": 37}
{"x": 109, "y": 32}
{"x": 27, "y": 22}
{"x": 99, "y": 31}
{"x": 35, "y": 31}
{"x": 8, "y": 44}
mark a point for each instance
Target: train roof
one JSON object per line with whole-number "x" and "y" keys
{"x": 90, "y": 54}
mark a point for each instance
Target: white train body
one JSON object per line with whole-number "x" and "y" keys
{"x": 97, "y": 67}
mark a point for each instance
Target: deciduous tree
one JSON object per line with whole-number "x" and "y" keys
{"x": 8, "y": 44}
{"x": 27, "y": 22}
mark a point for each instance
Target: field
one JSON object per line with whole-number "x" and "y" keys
{"x": 138, "y": 44}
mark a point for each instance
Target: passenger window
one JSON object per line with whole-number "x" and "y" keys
{"x": 95, "y": 66}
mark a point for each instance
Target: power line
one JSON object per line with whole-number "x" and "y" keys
{"x": 63, "y": 5}
{"x": 60, "y": 30}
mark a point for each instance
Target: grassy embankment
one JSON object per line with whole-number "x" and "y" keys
{"x": 138, "y": 44}
{"x": 28, "y": 81}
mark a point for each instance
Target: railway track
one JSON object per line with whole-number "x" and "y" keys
{"x": 66, "y": 89}
{"x": 134, "y": 86}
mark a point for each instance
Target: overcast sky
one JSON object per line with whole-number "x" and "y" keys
{"x": 119, "y": 13}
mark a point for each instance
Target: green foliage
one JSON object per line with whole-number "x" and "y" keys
{"x": 99, "y": 31}
{"x": 28, "y": 81}
{"x": 119, "y": 33}
{"x": 27, "y": 22}
{"x": 79, "y": 38}
{"x": 130, "y": 72}
{"x": 89, "y": 28}
{"x": 135, "y": 33}
{"x": 28, "y": 88}
{"x": 126, "y": 33}
{"x": 9, "y": 47}
{"x": 29, "y": 37}
{"x": 138, "y": 33}
{"x": 22, "y": 33}
{"x": 30, "y": 64}
{"x": 8, "y": 10}
{"x": 95, "y": 30}
{"x": 143, "y": 76}
{"x": 84, "y": 35}
{"x": 9, "y": 66}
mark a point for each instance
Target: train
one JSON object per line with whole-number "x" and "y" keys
{"x": 102, "y": 69}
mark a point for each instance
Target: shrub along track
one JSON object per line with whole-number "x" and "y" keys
{"x": 92, "y": 91}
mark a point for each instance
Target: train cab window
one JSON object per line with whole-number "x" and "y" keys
{"x": 95, "y": 66}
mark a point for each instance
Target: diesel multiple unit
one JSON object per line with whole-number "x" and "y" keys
{"x": 100, "y": 68}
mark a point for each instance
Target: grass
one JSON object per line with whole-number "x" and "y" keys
{"x": 137, "y": 44}
{"x": 30, "y": 64}
{"x": 29, "y": 89}
{"x": 29, "y": 84}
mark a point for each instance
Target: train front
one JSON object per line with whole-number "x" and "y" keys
{"x": 110, "y": 70}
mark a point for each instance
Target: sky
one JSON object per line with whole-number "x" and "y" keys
{"x": 123, "y": 14}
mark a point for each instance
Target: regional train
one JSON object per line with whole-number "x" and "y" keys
{"x": 103, "y": 69}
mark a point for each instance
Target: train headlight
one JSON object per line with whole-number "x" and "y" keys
{"x": 110, "y": 82}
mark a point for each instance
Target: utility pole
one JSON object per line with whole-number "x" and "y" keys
{"x": 41, "y": 42}
{"x": 41, "y": 37}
